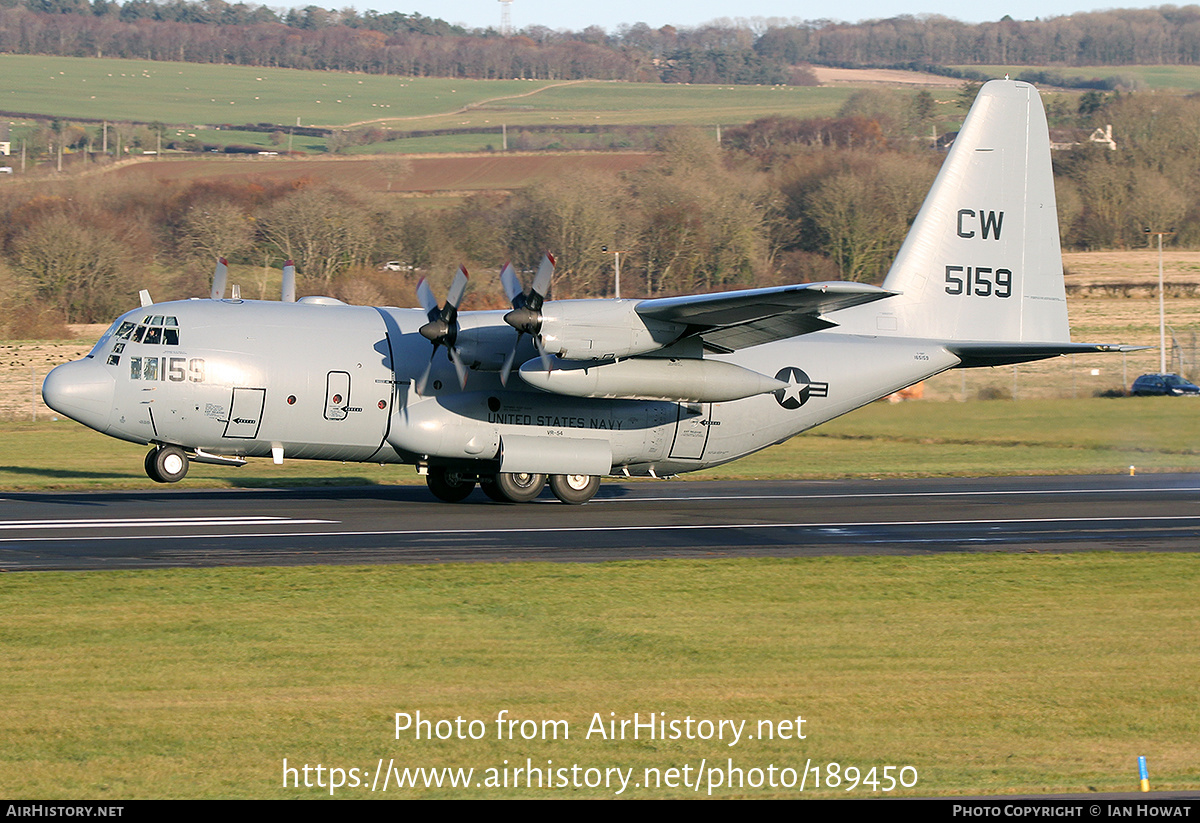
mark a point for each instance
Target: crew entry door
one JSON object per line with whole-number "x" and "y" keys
{"x": 691, "y": 431}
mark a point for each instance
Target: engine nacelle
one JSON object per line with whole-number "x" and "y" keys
{"x": 602, "y": 330}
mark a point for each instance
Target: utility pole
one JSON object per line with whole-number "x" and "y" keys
{"x": 616, "y": 253}
{"x": 1162, "y": 315}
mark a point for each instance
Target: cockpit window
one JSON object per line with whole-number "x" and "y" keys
{"x": 126, "y": 330}
{"x": 158, "y": 329}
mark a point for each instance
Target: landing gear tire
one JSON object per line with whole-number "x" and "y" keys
{"x": 448, "y": 486}
{"x": 575, "y": 489}
{"x": 515, "y": 487}
{"x": 166, "y": 464}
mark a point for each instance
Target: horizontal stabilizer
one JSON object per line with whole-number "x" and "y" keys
{"x": 1005, "y": 354}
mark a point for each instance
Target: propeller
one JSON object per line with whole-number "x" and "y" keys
{"x": 220, "y": 275}
{"x": 442, "y": 328}
{"x": 526, "y": 316}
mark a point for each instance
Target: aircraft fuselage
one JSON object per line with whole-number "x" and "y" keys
{"x": 336, "y": 382}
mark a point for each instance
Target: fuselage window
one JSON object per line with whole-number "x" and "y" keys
{"x": 135, "y": 368}
{"x": 150, "y": 368}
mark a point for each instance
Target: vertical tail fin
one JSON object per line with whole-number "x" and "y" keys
{"x": 982, "y": 261}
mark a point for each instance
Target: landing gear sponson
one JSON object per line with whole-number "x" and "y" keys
{"x": 453, "y": 486}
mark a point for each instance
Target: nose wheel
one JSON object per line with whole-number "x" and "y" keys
{"x": 166, "y": 464}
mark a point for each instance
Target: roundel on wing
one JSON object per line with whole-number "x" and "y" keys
{"x": 799, "y": 389}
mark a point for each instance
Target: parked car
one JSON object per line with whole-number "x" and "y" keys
{"x": 395, "y": 265}
{"x": 1165, "y": 384}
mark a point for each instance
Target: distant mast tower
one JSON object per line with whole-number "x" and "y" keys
{"x": 506, "y": 18}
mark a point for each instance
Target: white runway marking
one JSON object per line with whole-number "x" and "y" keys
{"x": 153, "y": 522}
{"x": 867, "y": 495}
{"x": 1063, "y": 521}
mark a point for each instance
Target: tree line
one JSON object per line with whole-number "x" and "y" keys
{"x": 778, "y": 201}
{"x": 760, "y": 51}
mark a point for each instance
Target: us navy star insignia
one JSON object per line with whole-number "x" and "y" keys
{"x": 799, "y": 389}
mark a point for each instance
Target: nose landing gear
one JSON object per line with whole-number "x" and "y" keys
{"x": 166, "y": 464}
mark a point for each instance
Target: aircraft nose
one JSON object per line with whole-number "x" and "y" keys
{"x": 83, "y": 390}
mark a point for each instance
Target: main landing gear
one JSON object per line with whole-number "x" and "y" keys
{"x": 166, "y": 464}
{"x": 575, "y": 489}
{"x": 510, "y": 487}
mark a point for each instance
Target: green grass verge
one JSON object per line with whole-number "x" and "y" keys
{"x": 1084, "y": 436}
{"x": 986, "y": 673}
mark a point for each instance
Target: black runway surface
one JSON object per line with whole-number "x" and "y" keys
{"x": 668, "y": 519}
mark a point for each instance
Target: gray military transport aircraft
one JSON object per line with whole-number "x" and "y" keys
{"x": 623, "y": 387}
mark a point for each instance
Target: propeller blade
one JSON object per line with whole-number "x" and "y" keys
{"x": 459, "y": 366}
{"x": 419, "y": 386}
{"x": 512, "y": 286}
{"x": 426, "y": 299}
{"x": 220, "y": 275}
{"x": 542, "y": 353}
{"x": 457, "y": 289}
{"x": 506, "y": 369}
{"x": 288, "y": 287}
{"x": 540, "y": 289}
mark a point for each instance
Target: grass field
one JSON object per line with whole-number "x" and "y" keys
{"x": 1162, "y": 78}
{"x": 915, "y": 439}
{"x": 986, "y": 674}
{"x": 192, "y": 93}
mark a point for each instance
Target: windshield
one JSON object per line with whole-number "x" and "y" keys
{"x": 104, "y": 338}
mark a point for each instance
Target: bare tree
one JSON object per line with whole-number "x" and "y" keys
{"x": 324, "y": 230}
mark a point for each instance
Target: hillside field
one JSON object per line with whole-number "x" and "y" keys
{"x": 1156, "y": 78}
{"x": 194, "y": 93}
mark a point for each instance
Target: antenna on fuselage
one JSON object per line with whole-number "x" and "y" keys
{"x": 288, "y": 289}
{"x": 219, "y": 277}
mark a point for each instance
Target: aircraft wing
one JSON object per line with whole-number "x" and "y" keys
{"x": 739, "y": 319}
